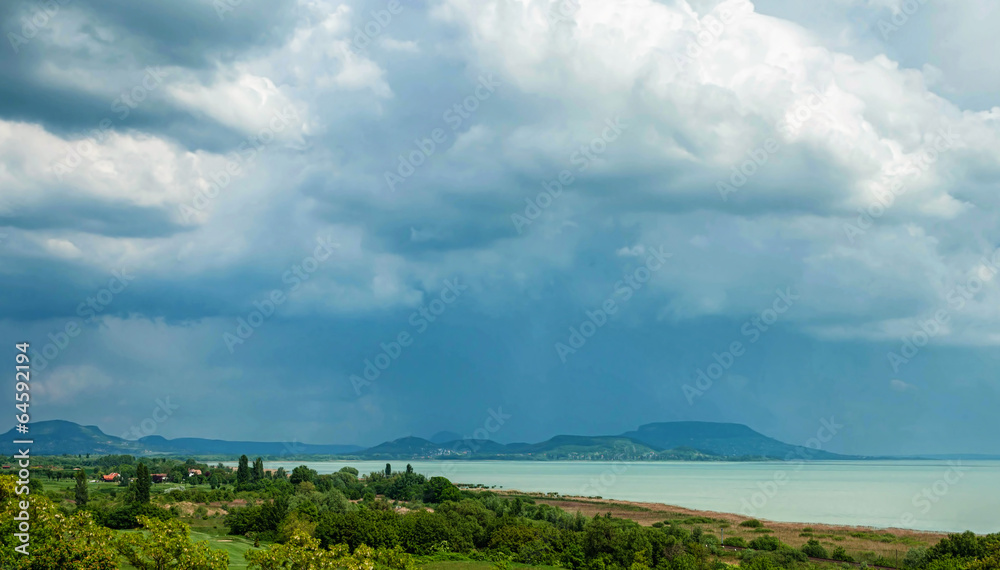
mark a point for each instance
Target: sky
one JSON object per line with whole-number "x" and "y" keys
{"x": 348, "y": 222}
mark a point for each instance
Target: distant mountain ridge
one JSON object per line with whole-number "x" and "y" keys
{"x": 58, "y": 437}
{"x": 723, "y": 439}
{"x": 656, "y": 441}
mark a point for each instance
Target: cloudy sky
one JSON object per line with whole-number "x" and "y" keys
{"x": 344, "y": 222}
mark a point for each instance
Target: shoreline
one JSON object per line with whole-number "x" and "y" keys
{"x": 646, "y": 513}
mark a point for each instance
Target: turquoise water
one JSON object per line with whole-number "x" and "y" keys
{"x": 924, "y": 495}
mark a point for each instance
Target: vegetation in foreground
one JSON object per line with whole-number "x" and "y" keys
{"x": 213, "y": 518}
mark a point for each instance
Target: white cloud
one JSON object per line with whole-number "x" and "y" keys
{"x": 62, "y": 384}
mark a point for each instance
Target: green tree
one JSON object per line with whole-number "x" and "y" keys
{"x": 166, "y": 544}
{"x": 57, "y": 540}
{"x": 302, "y": 474}
{"x": 243, "y": 474}
{"x": 143, "y": 483}
{"x": 388, "y": 470}
{"x": 302, "y": 551}
{"x": 439, "y": 490}
{"x": 409, "y": 469}
{"x": 81, "y": 488}
{"x": 258, "y": 470}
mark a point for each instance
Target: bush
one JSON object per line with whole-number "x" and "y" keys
{"x": 735, "y": 541}
{"x": 758, "y": 561}
{"x": 765, "y": 543}
{"x": 814, "y": 549}
{"x": 916, "y": 558}
{"x": 840, "y": 554}
{"x": 787, "y": 555}
{"x": 126, "y": 516}
{"x": 752, "y": 523}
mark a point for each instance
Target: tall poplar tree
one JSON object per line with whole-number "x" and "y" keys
{"x": 243, "y": 474}
{"x": 143, "y": 482}
{"x": 81, "y": 488}
{"x": 258, "y": 470}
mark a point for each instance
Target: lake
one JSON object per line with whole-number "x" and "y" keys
{"x": 923, "y": 495}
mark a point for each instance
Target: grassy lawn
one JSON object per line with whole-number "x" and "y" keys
{"x": 235, "y": 546}
{"x": 217, "y": 539}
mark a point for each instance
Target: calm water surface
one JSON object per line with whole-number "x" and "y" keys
{"x": 925, "y": 495}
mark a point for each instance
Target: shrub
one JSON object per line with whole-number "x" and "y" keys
{"x": 787, "y": 556}
{"x": 752, "y": 523}
{"x": 758, "y": 561}
{"x": 840, "y": 554}
{"x": 814, "y": 549}
{"x": 735, "y": 541}
{"x": 657, "y": 525}
{"x": 765, "y": 543}
{"x": 126, "y": 516}
{"x": 915, "y": 558}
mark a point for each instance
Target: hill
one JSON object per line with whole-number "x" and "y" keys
{"x": 401, "y": 448}
{"x": 690, "y": 441}
{"x": 723, "y": 439}
{"x": 58, "y": 437}
{"x": 584, "y": 447}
